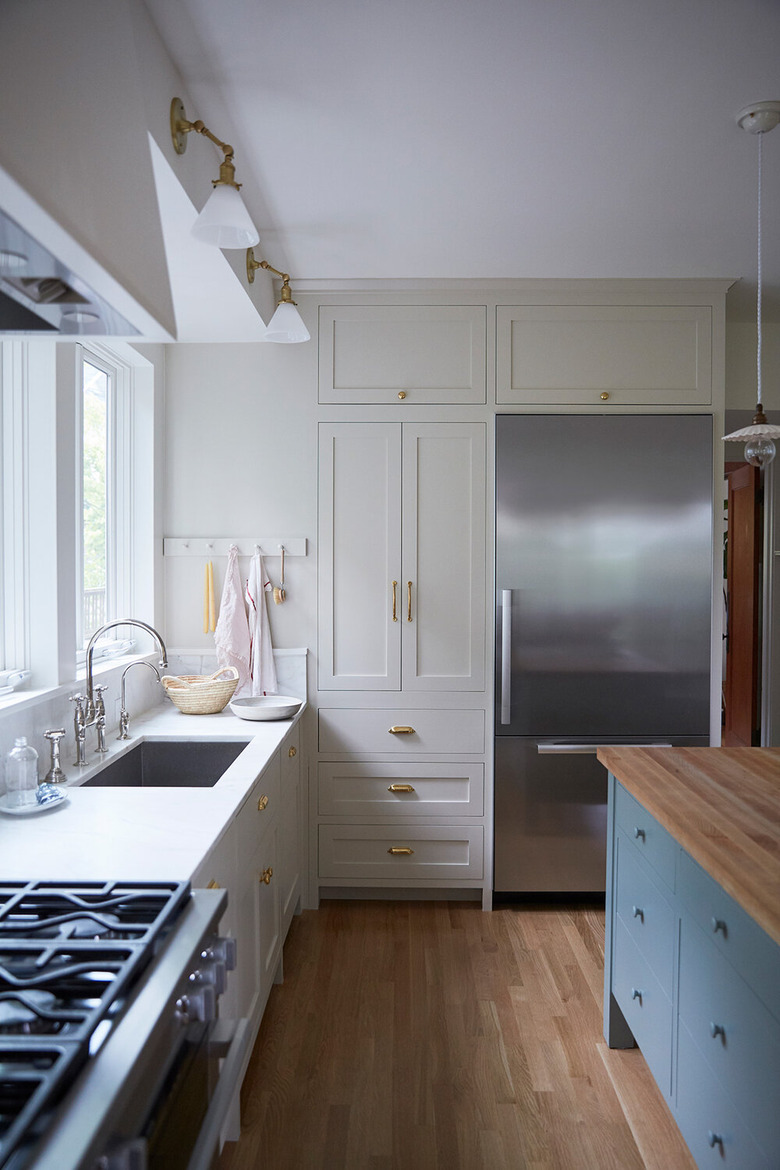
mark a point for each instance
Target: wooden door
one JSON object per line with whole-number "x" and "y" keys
{"x": 743, "y": 562}
{"x": 443, "y": 612}
{"x": 359, "y": 642}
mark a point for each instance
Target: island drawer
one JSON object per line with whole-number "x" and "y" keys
{"x": 645, "y": 912}
{"x": 646, "y": 1007}
{"x": 735, "y": 934}
{"x": 652, "y": 841}
{"x": 401, "y": 790}
{"x": 401, "y": 852}
{"x": 709, "y": 1120}
{"x": 734, "y": 1032}
{"x": 366, "y": 732}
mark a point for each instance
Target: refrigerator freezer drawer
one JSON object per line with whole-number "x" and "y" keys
{"x": 551, "y": 820}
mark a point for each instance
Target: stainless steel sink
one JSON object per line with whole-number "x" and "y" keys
{"x": 169, "y": 764}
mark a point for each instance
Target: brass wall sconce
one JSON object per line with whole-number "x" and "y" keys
{"x": 226, "y": 223}
{"x": 286, "y": 325}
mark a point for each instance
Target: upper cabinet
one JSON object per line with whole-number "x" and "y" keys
{"x": 418, "y": 354}
{"x": 587, "y": 354}
{"x": 402, "y": 556}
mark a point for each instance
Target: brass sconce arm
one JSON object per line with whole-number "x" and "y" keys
{"x": 181, "y": 127}
{"x": 285, "y": 295}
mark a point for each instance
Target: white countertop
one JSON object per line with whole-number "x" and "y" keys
{"x": 138, "y": 834}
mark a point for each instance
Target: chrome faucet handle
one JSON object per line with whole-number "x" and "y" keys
{"x": 100, "y": 719}
{"x": 55, "y": 774}
{"x": 80, "y": 729}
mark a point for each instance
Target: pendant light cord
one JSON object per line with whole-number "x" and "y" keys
{"x": 758, "y": 294}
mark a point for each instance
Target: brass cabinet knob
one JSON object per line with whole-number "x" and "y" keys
{"x": 292, "y": 752}
{"x": 213, "y": 885}
{"x": 400, "y": 851}
{"x": 262, "y": 803}
{"x": 604, "y": 396}
{"x": 266, "y": 875}
{"x": 400, "y": 788}
{"x": 402, "y": 394}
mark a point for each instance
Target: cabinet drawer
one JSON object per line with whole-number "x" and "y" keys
{"x": 647, "y": 1009}
{"x": 708, "y": 1120}
{"x": 651, "y": 840}
{"x": 436, "y": 852}
{"x": 401, "y": 790}
{"x": 644, "y": 911}
{"x": 750, "y": 949}
{"x": 258, "y": 810}
{"x": 744, "y": 1051}
{"x": 363, "y": 732}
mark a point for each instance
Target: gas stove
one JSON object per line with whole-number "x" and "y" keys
{"x": 92, "y": 974}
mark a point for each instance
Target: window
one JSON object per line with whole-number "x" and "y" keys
{"x": 97, "y": 464}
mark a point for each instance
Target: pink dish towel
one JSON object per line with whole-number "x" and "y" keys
{"x": 262, "y": 665}
{"x": 231, "y": 636}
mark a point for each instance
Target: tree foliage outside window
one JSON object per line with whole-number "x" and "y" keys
{"x": 94, "y": 495}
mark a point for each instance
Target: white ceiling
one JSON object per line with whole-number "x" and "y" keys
{"x": 493, "y": 138}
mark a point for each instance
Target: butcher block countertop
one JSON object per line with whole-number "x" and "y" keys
{"x": 723, "y": 806}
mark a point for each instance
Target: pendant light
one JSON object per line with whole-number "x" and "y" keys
{"x": 759, "y": 437}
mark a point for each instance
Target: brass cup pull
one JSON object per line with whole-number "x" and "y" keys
{"x": 408, "y": 601}
{"x": 395, "y": 601}
{"x": 400, "y": 851}
{"x": 266, "y": 875}
{"x": 396, "y": 730}
{"x": 400, "y": 788}
{"x": 292, "y": 752}
{"x": 262, "y": 803}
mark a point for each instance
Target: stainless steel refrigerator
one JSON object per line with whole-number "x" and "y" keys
{"x": 604, "y": 587}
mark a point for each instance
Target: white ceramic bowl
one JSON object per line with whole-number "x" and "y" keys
{"x": 265, "y": 707}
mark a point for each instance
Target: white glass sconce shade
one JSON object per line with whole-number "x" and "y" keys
{"x": 224, "y": 220}
{"x": 286, "y": 325}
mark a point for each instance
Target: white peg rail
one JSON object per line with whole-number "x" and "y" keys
{"x": 203, "y": 546}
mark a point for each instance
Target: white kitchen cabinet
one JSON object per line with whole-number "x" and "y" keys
{"x": 290, "y": 844}
{"x": 402, "y": 354}
{"x": 598, "y": 354}
{"x": 402, "y": 557}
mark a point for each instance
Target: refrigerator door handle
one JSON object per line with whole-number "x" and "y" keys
{"x": 586, "y": 749}
{"x": 506, "y": 656}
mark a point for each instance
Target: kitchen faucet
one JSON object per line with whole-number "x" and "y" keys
{"x": 90, "y": 710}
{"x": 124, "y": 715}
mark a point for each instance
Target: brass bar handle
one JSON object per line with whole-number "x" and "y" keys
{"x": 266, "y": 875}
{"x": 395, "y": 607}
{"x": 400, "y": 730}
{"x": 400, "y": 788}
{"x": 292, "y": 752}
{"x": 408, "y": 601}
{"x": 400, "y": 851}
{"x": 262, "y": 803}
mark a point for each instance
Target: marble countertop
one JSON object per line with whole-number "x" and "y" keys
{"x": 140, "y": 834}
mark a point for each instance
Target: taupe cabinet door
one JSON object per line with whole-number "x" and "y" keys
{"x": 402, "y": 556}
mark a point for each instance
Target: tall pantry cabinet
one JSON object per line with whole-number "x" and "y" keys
{"x": 401, "y": 648}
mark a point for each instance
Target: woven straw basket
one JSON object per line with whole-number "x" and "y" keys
{"x": 201, "y": 694}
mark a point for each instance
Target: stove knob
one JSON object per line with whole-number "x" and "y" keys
{"x": 200, "y": 1005}
{"x": 223, "y": 949}
{"x": 127, "y": 1156}
{"x": 213, "y": 971}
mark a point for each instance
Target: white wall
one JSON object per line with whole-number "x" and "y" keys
{"x": 241, "y": 461}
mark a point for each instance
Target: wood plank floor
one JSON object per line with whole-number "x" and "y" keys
{"x": 433, "y": 1036}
